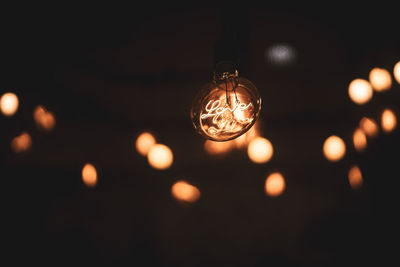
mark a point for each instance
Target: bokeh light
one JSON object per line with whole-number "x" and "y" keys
{"x": 21, "y": 143}
{"x": 244, "y": 140}
{"x": 396, "y": 72}
{"x": 219, "y": 148}
{"x": 359, "y": 140}
{"x": 355, "y": 177}
{"x": 260, "y": 150}
{"x": 183, "y": 191}
{"x": 144, "y": 142}
{"x": 380, "y": 79}
{"x": 369, "y": 126}
{"x": 388, "y": 121}
{"x": 360, "y": 91}
{"x": 334, "y": 148}
{"x": 44, "y": 119}
{"x": 9, "y": 104}
{"x": 280, "y": 54}
{"x": 89, "y": 175}
{"x": 160, "y": 157}
{"x": 275, "y": 184}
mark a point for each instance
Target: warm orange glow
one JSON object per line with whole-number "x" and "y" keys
{"x": 388, "y": 121}
{"x": 89, "y": 175}
{"x": 21, "y": 143}
{"x": 9, "y": 104}
{"x": 355, "y": 177}
{"x": 218, "y": 148}
{"x": 359, "y": 140}
{"x": 243, "y": 140}
{"x": 260, "y": 150}
{"x": 144, "y": 142}
{"x": 369, "y": 126}
{"x": 380, "y": 79}
{"x": 160, "y": 157}
{"x": 360, "y": 91}
{"x": 43, "y": 118}
{"x": 184, "y": 191}
{"x": 275, "y": 184}
{"x": 396, "y": 72}
{"x": 334, "y": 148}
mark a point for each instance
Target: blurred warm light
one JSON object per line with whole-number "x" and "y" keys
{"x": 9, "y": 104}
{"x": 184, "y": 191}
{"x": 218, "y": 148}
{"x": 144, "y": 142}
{"x": 243, "y": 140}
{"x": 380, "y": 79}
{"x": 21, "y": 143}
{"x": 360, "y": 91}
{"x": 275, "y": 184}
{"x": 334, "y": 148}
{"x": 43, "y": 118}
{"x": 160, "y": 157}
{"x": 280, "y": 54}
{"x": 89, "y": 175}
{"x": 355, "y": 177}
{"x": 369, "y": 126}
{"x": 359, "y": 140}
{"x": 260, "y": 150}
{"x": 388, "y": 121}
{"x": 396, "y": 72}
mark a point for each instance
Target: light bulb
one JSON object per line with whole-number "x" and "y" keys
{"x": 226, "y": 107}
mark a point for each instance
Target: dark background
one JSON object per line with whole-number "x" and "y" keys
{"x": 110, "y": 75}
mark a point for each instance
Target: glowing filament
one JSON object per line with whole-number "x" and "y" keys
{"x": 9, "y": 104}
{"x": 334, "y": 148}
{"x": 380, "y": 79}
{"x": 275, "y": 184}
{"x": 185, "y": 192}
{"x": 355, "y": 177}
{"x": 359, "y": 140}
{"x": 388, "y": 121}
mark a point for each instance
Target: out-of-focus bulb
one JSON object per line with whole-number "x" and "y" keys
{"x": 9, "y": 104}
{"x": 388, "y": 121}
{"x": 334, "y": 148}
{"x": 396, "y": 72}
{"x": 226, "y": 107}
{"x": 380, "y": 79}
{"x": 360, "y": 91}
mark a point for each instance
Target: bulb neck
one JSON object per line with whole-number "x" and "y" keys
{"x": 225, "y": 70}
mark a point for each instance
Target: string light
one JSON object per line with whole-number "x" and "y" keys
{"x": 334, "y": 148}
{"x": 21, "y": 143}
{"x": 380, "y": 79}
{"x": 44, "y": 119}
{"x": 144, "y": 142}
{"x": 89, "y": 175}
{"x": 369, "y": 126}
{"x": 260, "y": 150}
{"x": 355, "y": 177}
{"x": 359, "y": 140}
{"x": 226, "y": 107}
{"x": 9, "y": 104}
{"x": 360, "y": 91}
{"x": 183, "y": 191}
{"x": 396, "y": 72}
{"x": 160, "y": 157}
{"x": 275, "y": 184}
{"x": 388, "y": 121}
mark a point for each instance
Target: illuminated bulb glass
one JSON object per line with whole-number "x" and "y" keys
{"x": 226, "y": 107}
{"x": 369, "y": 126}
{"x": 144, "y": 142}
{"x": 185, "y": 192}
{"x": 334, "y": 148}
{"x": 396, "y": 72}
{"x": 380, "y": 79}
{"x": 160, "y": 157}
{"x": 275, "y": 184}
{"x": 89, "y": 175}
{"x": 355, "y": 177}
{"x": 218, "y": 148}
{"x": 388, "y": 121}
{"x": 9, "y": 104}
{"x": 21, "y": 143}
{"x": 359, "y": 140}
{"x": 360, "y": 91}
{"x": 260, "y": 150}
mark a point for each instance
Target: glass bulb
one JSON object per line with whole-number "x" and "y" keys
{"x": 226, "y": 107}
